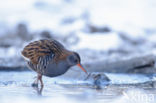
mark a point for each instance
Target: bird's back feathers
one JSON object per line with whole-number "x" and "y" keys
{"x": 34, "y": 50}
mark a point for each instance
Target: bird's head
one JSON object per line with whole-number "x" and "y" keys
{"x": 74, "y": 59}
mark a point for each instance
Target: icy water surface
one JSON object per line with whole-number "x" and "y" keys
{"x": 16, "y": 87}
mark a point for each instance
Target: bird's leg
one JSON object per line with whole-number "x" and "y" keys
{"x": 39, "y": 77}
{"x": 35, "y": 83}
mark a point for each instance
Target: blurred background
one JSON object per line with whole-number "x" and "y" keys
{"x": 114, "y": 28}
{"x": 113, "y": 36}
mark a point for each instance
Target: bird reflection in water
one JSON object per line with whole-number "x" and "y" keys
{"x": 38, "y": 90}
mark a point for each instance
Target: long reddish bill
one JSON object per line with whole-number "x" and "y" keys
{"x": 82, "y": 68}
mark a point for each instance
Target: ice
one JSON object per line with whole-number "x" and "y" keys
{"x": 135, "y": 96}
{"x": 17, "y": 86}
{"x": 127, "y": 79}
{"x": 130, "y": 96}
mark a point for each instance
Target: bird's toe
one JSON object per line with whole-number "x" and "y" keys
{"x": 34, "y": 85}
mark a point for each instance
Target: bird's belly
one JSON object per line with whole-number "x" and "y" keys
{"x": 51, "y": 74}
{"x": 54, "y": 70}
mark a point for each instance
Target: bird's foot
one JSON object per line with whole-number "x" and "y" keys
{"x": 34, "y": 84}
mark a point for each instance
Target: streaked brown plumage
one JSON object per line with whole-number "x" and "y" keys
{"x": 49, "y": 58}
{"x": 44, "y": 47}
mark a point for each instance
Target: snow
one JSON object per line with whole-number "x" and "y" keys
{"x": 68, "y": 20}
{"x": 10, "y": 52}
{"x": 140, "y": 13}
{"x": 120, "y": 14}
{"x": 98, "y": 41}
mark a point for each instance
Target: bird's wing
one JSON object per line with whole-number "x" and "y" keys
{"x": 42, "y": 49}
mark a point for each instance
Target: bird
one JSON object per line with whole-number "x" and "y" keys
{"x": 48, "y": 57}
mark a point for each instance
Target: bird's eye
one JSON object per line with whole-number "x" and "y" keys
{"x": 73, "y": 59}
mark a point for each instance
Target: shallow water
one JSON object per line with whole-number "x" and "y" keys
{"x": 16, "y": 87}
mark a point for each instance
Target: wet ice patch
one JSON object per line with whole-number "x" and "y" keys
{"x": 103, "y": 80}
{"x": 28, "y": 99}
{"x": 17, "y": 86}
{"x": 20, "y": 78}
